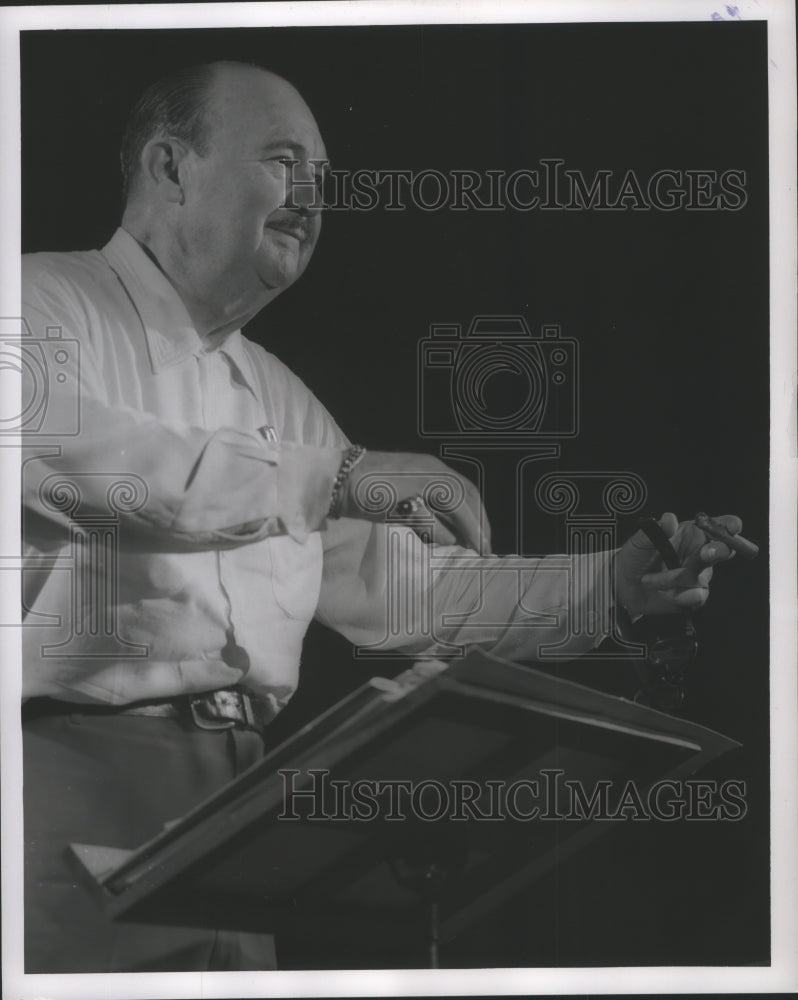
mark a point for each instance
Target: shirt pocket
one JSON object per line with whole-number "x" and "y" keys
{"x": 296, "y": 574}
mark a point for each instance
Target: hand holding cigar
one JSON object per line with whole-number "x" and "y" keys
{"x": 720, "y": 533}
{"x": 689, "y": 551}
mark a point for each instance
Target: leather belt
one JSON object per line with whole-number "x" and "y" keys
{"x": 226, "y": 708}
{"x": 229, "y": 708}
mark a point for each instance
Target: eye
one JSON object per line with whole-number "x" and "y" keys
{"x": 283, "y": 168}
{"x": 289, "y": 164}
{"x": 292, "y": 167}
{"x": 281, "y": 160}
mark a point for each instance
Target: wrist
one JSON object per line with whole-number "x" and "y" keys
{"x": 351, "y": 456}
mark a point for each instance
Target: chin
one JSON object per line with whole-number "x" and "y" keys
{"x": 278, "y": 281}
{"x": 281, "y": 275}
{"x": 281, "y": 264}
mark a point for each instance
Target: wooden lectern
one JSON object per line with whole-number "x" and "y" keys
{"x": 296, "y": 843}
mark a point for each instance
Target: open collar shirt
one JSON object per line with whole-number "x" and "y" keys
{"x": 175, "y": 492}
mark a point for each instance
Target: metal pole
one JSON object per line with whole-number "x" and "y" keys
{"x": 433, "y": 929}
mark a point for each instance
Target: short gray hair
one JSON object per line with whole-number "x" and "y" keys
{"x": 175, "y": 105}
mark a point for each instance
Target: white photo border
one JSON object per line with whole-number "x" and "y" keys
{"x": 782, "y": 975}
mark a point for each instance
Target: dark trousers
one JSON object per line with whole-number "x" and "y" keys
{"x": 115, "y": 780}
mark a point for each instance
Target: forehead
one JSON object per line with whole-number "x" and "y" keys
{"x": 252, "y": 108}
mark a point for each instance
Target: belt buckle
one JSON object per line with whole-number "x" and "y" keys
{"x": 211, "y": 724}
{"x": 250, "y": 722}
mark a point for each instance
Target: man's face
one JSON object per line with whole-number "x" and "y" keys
{"x": 235, "y": 233}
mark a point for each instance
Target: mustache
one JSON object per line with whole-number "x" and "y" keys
{"x": 297, "y": 227}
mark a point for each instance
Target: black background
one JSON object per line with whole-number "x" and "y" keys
{"x": 670, "y": 310}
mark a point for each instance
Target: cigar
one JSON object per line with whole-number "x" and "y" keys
{"x": 720, "y": 533}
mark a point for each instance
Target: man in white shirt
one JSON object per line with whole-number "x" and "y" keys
{"x": 234, "y": 513}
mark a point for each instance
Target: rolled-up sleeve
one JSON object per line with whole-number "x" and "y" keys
{"x": 385, "y": 589}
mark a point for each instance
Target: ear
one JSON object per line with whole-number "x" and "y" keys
{"x": 161, "y": 160}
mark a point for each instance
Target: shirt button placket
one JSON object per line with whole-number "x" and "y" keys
{"x": 209, "y": 395}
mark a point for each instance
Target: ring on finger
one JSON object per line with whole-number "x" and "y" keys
{"x": 410, "y": 506}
